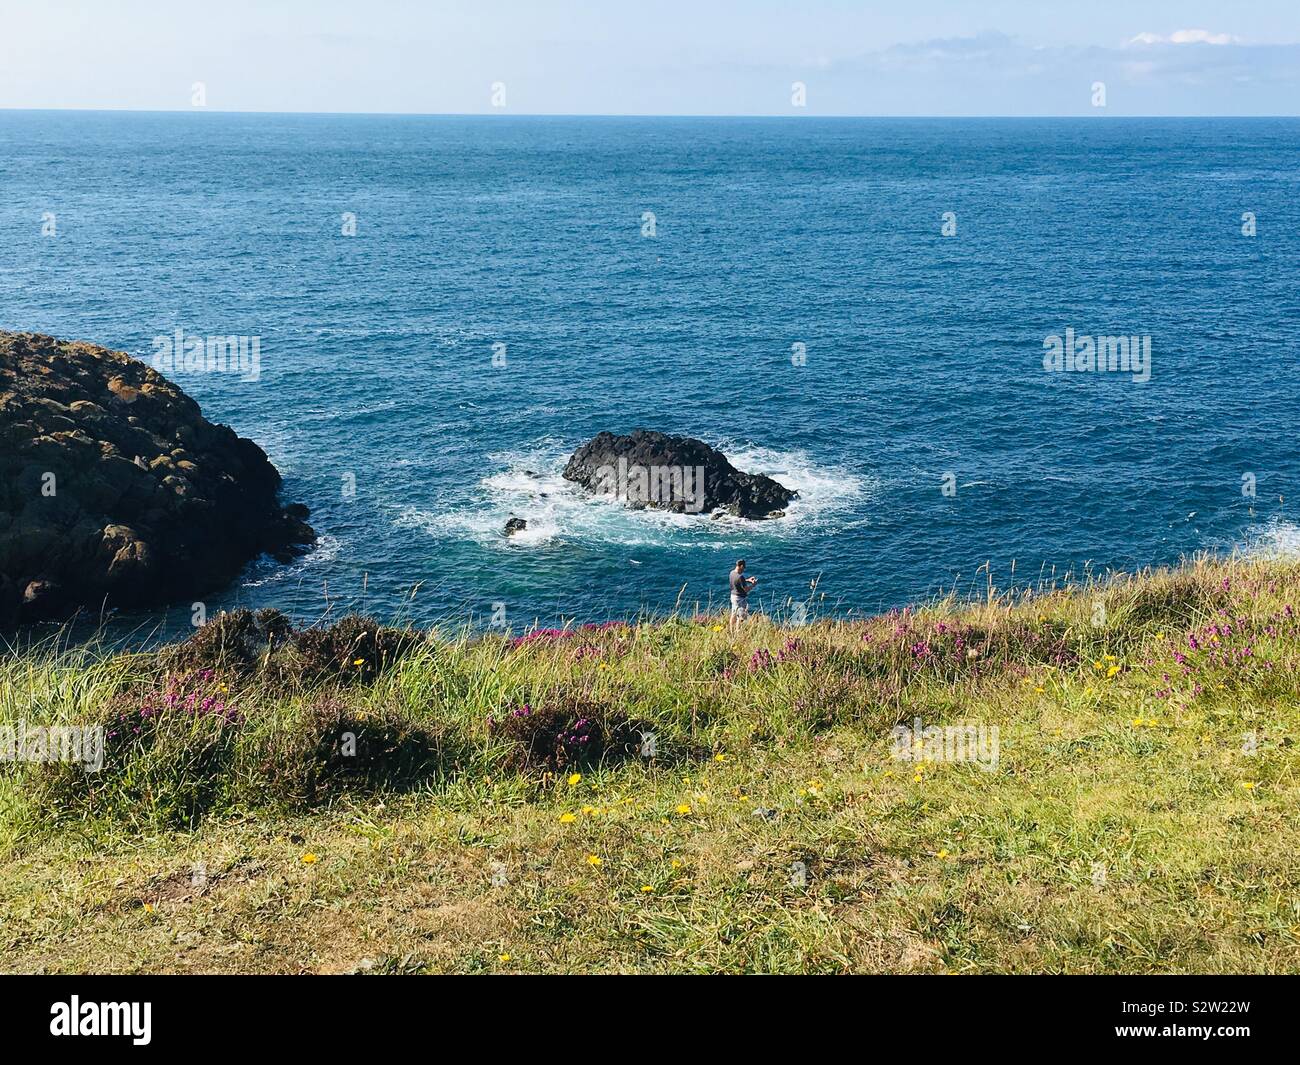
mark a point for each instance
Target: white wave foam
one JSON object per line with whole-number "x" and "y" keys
{"x": 529, "y": 484}
{"x": 326, "y": 550}
{"x": 1276, "y": 537}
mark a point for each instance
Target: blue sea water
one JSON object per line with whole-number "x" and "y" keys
{"x": 924, "y": 352}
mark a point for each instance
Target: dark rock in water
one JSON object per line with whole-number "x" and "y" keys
{"x": 116, "y": 491}
{"x": 514, "y": 525}
{"x": 677, "y": 473}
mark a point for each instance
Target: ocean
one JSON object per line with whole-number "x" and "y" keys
{"x": 445, "y": 307}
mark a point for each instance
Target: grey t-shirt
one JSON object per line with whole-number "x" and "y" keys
{"x": 739, "y": 584}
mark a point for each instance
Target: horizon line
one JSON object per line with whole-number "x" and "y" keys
{"x": 1085, "y": 116}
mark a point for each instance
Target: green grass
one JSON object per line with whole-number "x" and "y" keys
{"x": 1132, "y": 824}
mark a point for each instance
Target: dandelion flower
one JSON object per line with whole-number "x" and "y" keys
{"x": 358, "y": 661}
{"x": 683, "y": 809}
{"x": 943, "y": 854}
{"x": 593, "y": 859}
{"x": 716, "y": 628}
{"x": 1112, "y": 671}
{"x": 1137, "y": 722}
{"x": 588, "y": 810}
{"x": 567, "y": 819}
{"x": 575, "y": 778}
{"x": 1250, "y": 785}
{"x": 720, "y": 758}
{"x": 310, "y": 859}
{"x": 504, "y": 957}
{"x": 646, "y": 888}
{"x": 148, "y": 907}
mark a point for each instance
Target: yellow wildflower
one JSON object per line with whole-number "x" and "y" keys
{"x": 593, "y": 859}
{"x": 575, "y": 778}
{"x": 683, "y": 809}
{"x": 567, "y": 819}
{"x": 310, "y": 859}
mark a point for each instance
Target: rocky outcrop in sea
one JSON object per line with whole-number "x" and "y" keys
{"x": 676, "y": 473}
{"x": 116, "y": 491}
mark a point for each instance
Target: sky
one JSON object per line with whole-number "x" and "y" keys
{"x": 658, "y": 57}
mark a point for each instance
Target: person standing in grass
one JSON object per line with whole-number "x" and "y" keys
{"x": 741, "y": 586}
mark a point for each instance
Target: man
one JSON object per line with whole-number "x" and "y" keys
{"x": 740, "y": 589}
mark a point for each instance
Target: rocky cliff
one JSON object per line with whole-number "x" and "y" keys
{"x": 114, "y": 489}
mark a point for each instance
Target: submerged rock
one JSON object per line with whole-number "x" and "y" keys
{"x": 677, "y": 473}
{"x": 116, "y": 491}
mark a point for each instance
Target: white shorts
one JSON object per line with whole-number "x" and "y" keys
{"x": 739, "y": 606}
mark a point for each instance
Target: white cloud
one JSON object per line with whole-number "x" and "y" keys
{"x": 1184, "y": 37}
{"x": 1201, "y": 37}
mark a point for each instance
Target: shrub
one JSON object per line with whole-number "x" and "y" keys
{"x": 231, "y": 643}
{"x": 567, "y": 732}
{"x": 1174, "y": 599}
{"x": 241, "y": 644}
{"x": 336, "y": 747}
{"x": 354, "y": 649}
{"x": 167, "y": 746}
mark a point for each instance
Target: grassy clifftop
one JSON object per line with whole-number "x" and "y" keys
{"x": 1115, "y": 791}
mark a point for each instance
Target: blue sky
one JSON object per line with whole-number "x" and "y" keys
{"x": 902, "y": 57}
